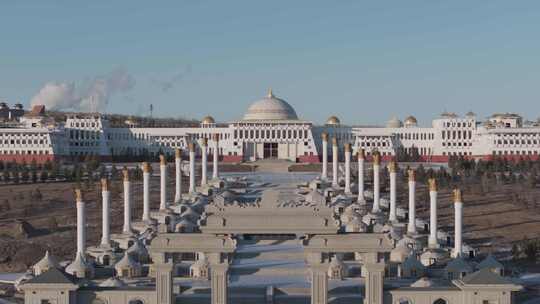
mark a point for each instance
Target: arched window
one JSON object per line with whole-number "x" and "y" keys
{"x": 404, "y": 301}
{"x": 440, "y": 301}
{"x": 137, "y": 301}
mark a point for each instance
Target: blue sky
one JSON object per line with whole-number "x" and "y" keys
{"x": 362, "y": 61}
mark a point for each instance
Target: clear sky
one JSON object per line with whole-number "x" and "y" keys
{"x": 363, "y": 61}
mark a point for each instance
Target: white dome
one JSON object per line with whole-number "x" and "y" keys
{"x": 270, "y": 108}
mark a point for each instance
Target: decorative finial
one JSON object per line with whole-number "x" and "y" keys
{"x": 412, "y": 175}
{"x": 376, "y": 158}
{"x": 347, "y": 147}
{"x": 361, "y": 153}
{"x": 78, "y": 195}
{"x": 178, "y": 153}
{"x": 432, "y": 184}
{"x": 270, "y": 94}
{"x": 334, "y": 141}
{"x": 125, "y": 172}
{"x": 162, "y": 160}
{"x": 146, "y": 167}
{"x": 457, "y": 195}
{"x": 104, "y": 184}
{"x": 392, "y": 166}
{"x": 191, "y": 147}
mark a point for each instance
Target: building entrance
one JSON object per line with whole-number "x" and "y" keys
{"x": 270, "y": 150}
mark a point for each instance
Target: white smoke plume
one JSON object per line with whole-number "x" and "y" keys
{"x": 91, "y": 96}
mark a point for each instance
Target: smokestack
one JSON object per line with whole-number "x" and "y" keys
{"x": 204, "y": 160}
{"x": 432, "y": 241}
{"x": 376, "y": 182}
{"x": 127, "y": 202}
{"x": 458, "y": 225}
{"x": 178, "y": 165}
{"x": 105, "y": 213}
{"x": 191, "y": 167}
{"x": 361, "y": 158}
{"x": 334, "y": 162}
{"x": 215, "y": 173}
{"x": 163, "y": 182}
{"x": 324, "y": 174}
{"x": 392, "y": 168}
{"x": 411, "y": 228}
{"x": 81, "y": 223}
{"x": 146, "y": 192}
{"x": 347, "y": 149}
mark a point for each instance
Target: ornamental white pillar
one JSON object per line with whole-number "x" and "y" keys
{"x": 324, "y": 174}
{"x": 105, "y": 213}
{"x": 163, "y": 182}
{"x": 146, "y": 192}
{"x": 127, "y": 202}
{"x": 411, "y": 227}
{"x": 81, "y": 223}
{"x": 215, "y": 169}
{"x": 191, "y": 167}
{"x": 204, "y": 160}
{"x": 392, "y": 168}
{"x": 334, "y": 162}
{"x": 178, "y": 175}
{"x": 347, "y": 149}
{"x": 376, "y": 182}
{"x": 361, "y": 159}
{"x": 458, "y": 225}
{"x": 432, "y": 240}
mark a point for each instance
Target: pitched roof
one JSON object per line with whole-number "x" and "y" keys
{"x": 458, "y": 264}
{"x": 485, "y": 277}
{"x": 490, "y": 262}
{"x": 53, "y": 276}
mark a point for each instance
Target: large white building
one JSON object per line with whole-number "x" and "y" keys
{"x": 270, "y": 128}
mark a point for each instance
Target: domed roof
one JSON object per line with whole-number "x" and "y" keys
{"x": 112, "y": 282}
{"x": 208, "y": 120}
{"x": 411, "y": 121}
{"x": 333, "y": 120}
{"x": 46, "y": 262}
{"x": 394, "y": 122}
{"x": 270, "y": 108}
{"x": 423, "y": 282}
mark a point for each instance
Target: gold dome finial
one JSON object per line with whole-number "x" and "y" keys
{"x": 432, "y": 184}
{"x": 376, "y": 158}
{"x": 412, "y": 175}
{"x": 146, "y": 167}
{"x": 125, "y": 173}
{"x": 392, "y": 166}
{"x": 361, "y": 153}
{"x": 457, "y": 195}
{"x": 104, "y": 184}
{"x": 78, "y": 195}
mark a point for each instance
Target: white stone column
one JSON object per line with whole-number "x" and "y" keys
{"x": 411, "y": 227}
{"x": 163, "y": 182}
{"x": 347, "y": 149}
{"x": 376, "y": 182}
{"x": 392, "y": 168}
{"x": 164, "y": 283}
{"x": 374, "y": 283}
{"x": 432, "y": 241}
{"x": 127, "y": 202}
{"x": 319, "y": 283}
{"x": 146, "y": 192}
{"x": 361, "y": 159}
{"x": 335, "y": 159}
{"x": 215, "y": 169}
{"x": 204, "y": 161}
{"x": 81, "y": 223}
{"x": 191, "y": 167}
{"x": 324, "y": 174}
{"x": 219, "y": 283}
{"x": 178, "y": 172}
{"x": 458, "y": 225}
{"x": 105, "y": 213}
